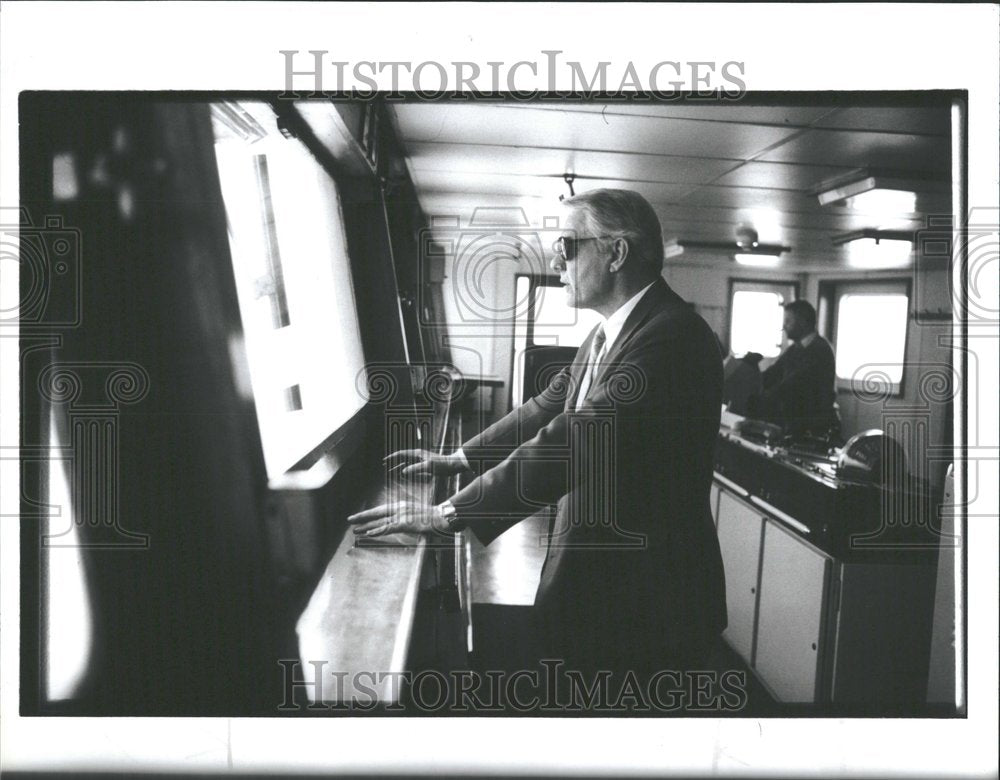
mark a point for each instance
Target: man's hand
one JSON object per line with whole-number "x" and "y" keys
{"x": 421, "y": 464}
{"x": 398, "y": 516}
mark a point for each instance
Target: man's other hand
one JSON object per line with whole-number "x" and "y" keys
{"x": 398, "y": 516}
{"x": 421, "y": 464}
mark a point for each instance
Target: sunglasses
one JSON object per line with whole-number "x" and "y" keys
{"x": 566, "y": 247}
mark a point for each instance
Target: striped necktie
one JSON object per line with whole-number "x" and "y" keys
{"x": 596, "y": 354}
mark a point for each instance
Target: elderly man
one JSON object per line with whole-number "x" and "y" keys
{"x": 622, "y": 443}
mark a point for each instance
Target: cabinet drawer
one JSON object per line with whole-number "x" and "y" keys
{"x": 790, "y": 615}
{"x": 739, "y": 528}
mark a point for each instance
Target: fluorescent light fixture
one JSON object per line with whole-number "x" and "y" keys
{"x": 873, "y": 249}
{"x": 751, "y": 252}
{"x": 878, "y": 192}
{"x": 883, "y": 201}
{"x": 746, "y": 249}
{"x": 758, "y": 259}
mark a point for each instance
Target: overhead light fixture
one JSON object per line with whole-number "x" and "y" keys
{"x": 875, "y": 249}
{"x": 752, "y": 252}
{"x": 883, "y": 201}
{"x": 746, "y": 249}
{"x": 758, "y": 259}
{"x": 879, "y": 192}
{"x": 868, "y": 190}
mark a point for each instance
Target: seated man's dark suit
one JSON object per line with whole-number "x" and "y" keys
{"x": 633, "y": 576}
{"x": 799, "y": 389}
{"x": 741, "y": 382}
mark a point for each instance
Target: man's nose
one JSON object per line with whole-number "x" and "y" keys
{"x": 557, "y": 262}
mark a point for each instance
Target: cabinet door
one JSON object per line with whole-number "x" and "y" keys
{"x": 790, "y": 615}
{"x": 713, "y": 502}
{"x": 739, "y": 538}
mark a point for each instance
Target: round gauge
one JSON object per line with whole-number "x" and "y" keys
{"x": 871, "y": 454}
{"x": 868, "y": 450}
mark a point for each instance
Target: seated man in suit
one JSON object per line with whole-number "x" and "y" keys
{"x": 799, "y": 391}
{"x": 622, "y": 444}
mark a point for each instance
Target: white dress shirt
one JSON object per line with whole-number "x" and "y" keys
{"x": 805, "y": 341}
{"x": 613, "y": 325}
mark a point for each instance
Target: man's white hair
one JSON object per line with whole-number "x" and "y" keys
{"x": 625, "y": 214}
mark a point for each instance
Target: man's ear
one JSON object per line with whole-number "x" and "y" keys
{"x": 619, "y": 251}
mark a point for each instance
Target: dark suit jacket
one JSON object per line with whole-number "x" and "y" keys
{"x": 633, "y": 566}
{"x": 799, "y": 388}
{"x": 741, "y": 382}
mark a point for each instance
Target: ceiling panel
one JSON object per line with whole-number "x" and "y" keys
{"x": 797, "y": 239}
{"x": 792, "y": 116}
{"x": 500, "y": 125}
{"x": 783, "y": 176}
{"x": 464, "y": 158}
{"x": 456, "y": 204}
{"x": 803, "y": 203}
{"x": 552, "y": 186}
{"x": 860, "y": 149}
{"x": 769, "y": 220}
{"x": 929, "y": 121}
{"x": 488, "y": 184}
{"x": 692, "y": 162}
{"x": 752, "y": 197}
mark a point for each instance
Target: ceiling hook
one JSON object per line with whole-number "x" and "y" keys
{"x": 569, "y": 178}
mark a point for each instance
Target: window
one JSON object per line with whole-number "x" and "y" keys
{"x": 756, "y": 314}
{"x": 293, "y": 281}
{"x": 870, "y": 342}
{"x": 543, "y": 318}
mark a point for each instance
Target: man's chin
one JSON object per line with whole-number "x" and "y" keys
{"x": 570, "y": 297}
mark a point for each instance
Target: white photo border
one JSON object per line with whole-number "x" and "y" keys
{"x": 235, "y": 46}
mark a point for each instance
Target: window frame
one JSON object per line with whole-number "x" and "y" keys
{"x": 322, "y": 460}
{"x": 534, "y": 282}
{"x": 766, "y": 285}
{"x": 831, "y": 293}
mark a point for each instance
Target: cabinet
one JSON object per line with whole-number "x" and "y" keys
{"x": 776, "y": 590}
{"x": 816, "y": 628}
{"x": 793, "y": 578}
{"x": 739, "y": 529}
